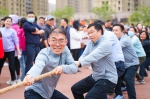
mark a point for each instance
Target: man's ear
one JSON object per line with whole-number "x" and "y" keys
{"x": 48, "y": 41}
{"x": 100, "y": 31}
{"x": 66, "y": 41}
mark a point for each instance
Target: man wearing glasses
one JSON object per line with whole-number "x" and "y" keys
{"x": 98, "y": 53}
{"x": 57, "y": 57}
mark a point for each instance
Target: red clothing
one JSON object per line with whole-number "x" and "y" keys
{"x": 1, "y": 49}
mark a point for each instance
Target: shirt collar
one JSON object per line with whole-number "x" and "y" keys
{"x": 120, "y": 37}
{"x": 98, "y": 41}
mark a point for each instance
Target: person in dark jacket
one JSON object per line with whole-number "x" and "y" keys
{"x": 146, "y": 45}
{"x": 32, "y": 32}
{"x": 49, "y": 21}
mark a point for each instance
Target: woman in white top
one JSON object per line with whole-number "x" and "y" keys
{"x": 75, "y": 40}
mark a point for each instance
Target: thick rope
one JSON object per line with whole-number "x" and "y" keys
{"x": 4, "y": 90}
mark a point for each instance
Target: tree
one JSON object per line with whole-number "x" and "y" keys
{"x": 104, "y": 12}
{"x": 142, "y": 15}
{"x": 3, "y": 11}
{"x": 67, "y": 12}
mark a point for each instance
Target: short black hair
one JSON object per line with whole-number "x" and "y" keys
{"x": 41, "y": 18}
{"x": 76, "y": 24}
{"x": 99, "y": 22}
{"x": 147, "y": 36}
{"x": 21, "y": 22}
{"x": 7, "y": 17}
{"x": 30, "y": 12}
{"x": 96, "y": 26}
{"x": 108, "y": 21}
{"x": 134, "y": 29}
{"x": 65, "y": 19}
{"x": 2, "y": 19}
{"x": 58, "y": 30}
{"x": 121, "y": 26}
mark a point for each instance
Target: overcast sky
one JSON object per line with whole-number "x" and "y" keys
{"x": 52, "y": 1}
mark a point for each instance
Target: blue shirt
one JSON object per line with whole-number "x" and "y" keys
{"x": 138, "y": 46}
{"x": 99, "y": 55}
{"x": 130, "y": 55}
{"x": 45, "y": 62}
{"x": 116, "y": 46}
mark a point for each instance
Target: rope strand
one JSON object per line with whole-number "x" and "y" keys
{"x": 4, "y": 90}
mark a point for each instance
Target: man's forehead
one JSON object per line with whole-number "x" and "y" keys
{"x": 57, "y": 36}
{"x": 30, "y": 15}
{"x": 91, "y": 28}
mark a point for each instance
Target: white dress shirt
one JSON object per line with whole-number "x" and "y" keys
{"x": 116, "y": 46}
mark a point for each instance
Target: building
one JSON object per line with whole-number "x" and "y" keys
{"x": 122, "y": 5}
{"x": 40, "y": 7}
{"x": 122, "y": 8}
{"x": 21, "y": 7}
{"x": 80, "y": 6}
{"x": 14, "y": 6}
{"x": 28, "y": 5}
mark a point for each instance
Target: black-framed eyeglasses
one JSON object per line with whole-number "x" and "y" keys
{"x": 61, "y": 41}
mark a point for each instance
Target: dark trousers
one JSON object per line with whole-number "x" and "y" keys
{"x": 17, "y": 66}
{"x": 95, "y": 89}
{"x": 144, "y": 65}
{"x": 75, "y": 54}
{"x": 128, "y": 78}
{"x": 120, "y": 70}
{"x": 11, "y": 60}
{"x": 30, "y": 94}
{"x": 137, "y": 75}
{"x": 31, "y": 53}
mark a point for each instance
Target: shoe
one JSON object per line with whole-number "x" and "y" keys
{"x": 123, "y": 89}
{"x": 18, "y": 81}
{"x": 111, "y": 92}
{"x": 140, "y": 82}
{"x": 13, "y": 82}
{"x": 78, "y": 70}
{"x": 119, "y": 97}
{"x": 8, "y": 82}
{"x": 148, "y": 68}
{"x": 145, "y": 74}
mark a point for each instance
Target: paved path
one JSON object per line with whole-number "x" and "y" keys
{"x": 65, "y": 83}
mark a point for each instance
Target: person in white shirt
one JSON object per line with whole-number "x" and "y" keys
{"x": 75, "y": 40}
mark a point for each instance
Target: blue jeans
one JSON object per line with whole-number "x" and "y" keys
{"x": 22, "y": 65}
{"x": 31, "y": 53}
